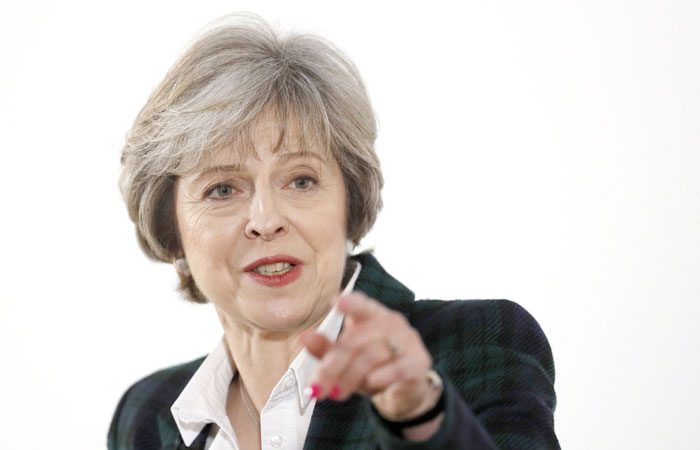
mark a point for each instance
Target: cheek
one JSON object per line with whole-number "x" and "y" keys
{"x": 331, "y": 227}
{"x": 336, "y": 215}
{"x": 193, "y": 231}
{"x": 206, "y": 240}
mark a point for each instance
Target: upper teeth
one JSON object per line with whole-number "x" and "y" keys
{"x": 273, "y": 269}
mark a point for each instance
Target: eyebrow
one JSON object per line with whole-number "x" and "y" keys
{"x": 235, "y": 168}
{"x": 229, "y": 168}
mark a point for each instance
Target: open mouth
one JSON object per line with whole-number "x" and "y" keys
{"x": 273, "y": 269}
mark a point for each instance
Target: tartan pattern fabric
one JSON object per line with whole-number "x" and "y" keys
{"x": 494, "y": 359}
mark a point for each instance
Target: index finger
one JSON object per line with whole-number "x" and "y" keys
{"x": 358, "y": 306}
{"x": 316, "y": 343}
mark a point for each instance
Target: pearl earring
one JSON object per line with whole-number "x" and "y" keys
{"x": 182, "y": 267}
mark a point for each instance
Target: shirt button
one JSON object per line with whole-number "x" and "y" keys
{"x": 276, "y": 441}
{"x": 289, "y": 382}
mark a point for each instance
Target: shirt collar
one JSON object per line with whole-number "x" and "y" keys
{"x": 304, "y": 365}
{"x": 203, "y": 400}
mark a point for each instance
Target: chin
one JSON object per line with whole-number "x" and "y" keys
{"x": 282, "y": 315}
{"x": 281, "y": 323}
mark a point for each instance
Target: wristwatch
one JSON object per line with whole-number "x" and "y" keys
{"x": 395, "y": 426}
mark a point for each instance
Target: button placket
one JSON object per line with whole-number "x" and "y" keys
{"x": 278, "y": 421}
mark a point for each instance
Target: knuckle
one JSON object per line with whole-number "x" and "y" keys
{"x": 399, "y": 372}
{"x": 369, "y": 359}
{"x": 370, "y": 381}
{"x": 328, "y": 368}
{"x": 397, "y": 319}
{"x": 323, "y": 370}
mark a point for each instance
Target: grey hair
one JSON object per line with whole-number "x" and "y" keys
{"x": 213, "y": 97}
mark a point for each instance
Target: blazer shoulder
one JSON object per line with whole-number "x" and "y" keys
{"x": 477, "y": 324}
{"x": 499, "y": 360}
{"x": 136, "y": 416}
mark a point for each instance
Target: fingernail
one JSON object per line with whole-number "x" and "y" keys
{"x": 313, "y": 390}
{"x": 343, "y": 301}
{"x": 335, "y": 392}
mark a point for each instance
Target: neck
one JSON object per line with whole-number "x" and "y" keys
{"x": 262, "y": 357}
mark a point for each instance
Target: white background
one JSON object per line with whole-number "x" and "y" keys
{"x": 546, "y": 152}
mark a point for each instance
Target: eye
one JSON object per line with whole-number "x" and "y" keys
{"x": 219, "y": 191}
{"x": 303, "y": 183}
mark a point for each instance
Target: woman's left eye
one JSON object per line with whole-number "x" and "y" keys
{"x": 303, "y": 183}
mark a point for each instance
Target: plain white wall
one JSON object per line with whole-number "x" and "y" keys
{"x": 546, "y": 152}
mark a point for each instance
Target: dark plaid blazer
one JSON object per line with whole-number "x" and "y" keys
{"x": 493, "y": 357}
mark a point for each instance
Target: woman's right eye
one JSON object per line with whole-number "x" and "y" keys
{"x": 219, "y": 191}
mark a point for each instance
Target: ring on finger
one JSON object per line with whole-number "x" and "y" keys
{"x": 391, "y": 346}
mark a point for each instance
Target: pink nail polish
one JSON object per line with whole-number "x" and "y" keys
{"x": 315, "y": 390}
{"x": 335, "y": 392}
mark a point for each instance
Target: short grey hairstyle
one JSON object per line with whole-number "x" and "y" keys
{"x": 213, "y": 97}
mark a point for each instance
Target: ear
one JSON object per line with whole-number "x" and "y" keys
{"x": 182, "y": 267}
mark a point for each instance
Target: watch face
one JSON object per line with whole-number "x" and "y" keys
{"x": 434, "y": 379}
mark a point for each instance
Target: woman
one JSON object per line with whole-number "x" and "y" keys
{"x": 252, "y": 169}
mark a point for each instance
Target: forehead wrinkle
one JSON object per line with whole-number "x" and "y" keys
{"x": 283, "y": 156}
{"x": 228, "y": 168}
{"x": 229, "y": 158}
{"x": 287, "y": 156}
{"x": 289, "y": 143}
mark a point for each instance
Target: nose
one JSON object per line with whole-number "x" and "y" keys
{"x": 266, "y": 221}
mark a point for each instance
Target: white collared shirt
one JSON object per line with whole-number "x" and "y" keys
{"x": 285, "y": 418}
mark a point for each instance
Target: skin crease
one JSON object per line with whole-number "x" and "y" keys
{"x": 279, "y": 201}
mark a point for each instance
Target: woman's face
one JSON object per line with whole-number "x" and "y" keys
{"x": 266, "y": 240}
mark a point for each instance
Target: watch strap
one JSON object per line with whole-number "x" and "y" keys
{"x": 395, "y": 426}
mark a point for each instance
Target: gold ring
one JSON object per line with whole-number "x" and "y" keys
{"x": 393, "y": 348}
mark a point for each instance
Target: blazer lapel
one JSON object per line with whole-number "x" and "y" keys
{"x": 341, "y": 426}
{"x": 170, "y": 438}
{"x": 376, "y": 283}
{"x": 199, "y": 441}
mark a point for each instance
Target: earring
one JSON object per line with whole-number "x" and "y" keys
{"x": 182, "y": 267}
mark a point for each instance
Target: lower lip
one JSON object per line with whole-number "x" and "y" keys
{"x": 277, "y": 280}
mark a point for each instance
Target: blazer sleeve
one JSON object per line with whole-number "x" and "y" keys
{"x": 498, "y": 373}
{"x": 123, "y": 428}
{"x": 142, "y": 420}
